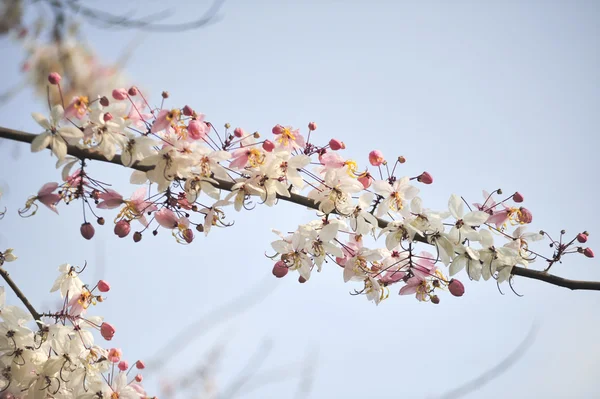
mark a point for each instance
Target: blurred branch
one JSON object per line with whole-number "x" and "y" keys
{"x": 115, "y": 21}
{"x": 24, "y": 137}
{"x": 36, "y": 316}
{"x": 497, "y": 370}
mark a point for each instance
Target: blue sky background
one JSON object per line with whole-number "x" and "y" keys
{"x": 480, "y": 94}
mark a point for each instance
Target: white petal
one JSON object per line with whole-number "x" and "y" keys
{"x": 41, "y": 120}
{"x": 455, "y": 205}
{"x": 475, "y": 218}
{"x": 41, "y": 142}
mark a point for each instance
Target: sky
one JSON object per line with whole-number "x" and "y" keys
{"x": 482, "y": 95}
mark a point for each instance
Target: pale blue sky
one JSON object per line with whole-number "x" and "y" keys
{"x": 480, "y": 94}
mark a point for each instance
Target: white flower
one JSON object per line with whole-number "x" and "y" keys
{"x": 492, "y": 258}
{"x": 394, "y": 196}
{"x": 55, "y": 137}
{"x": 68, "y": 281}
{"x": 469, "y": 258}
{"x": 463, "y": 229}
{"x": 362, "y": 221}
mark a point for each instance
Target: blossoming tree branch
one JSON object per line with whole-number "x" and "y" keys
{"x": 370, "y": 223}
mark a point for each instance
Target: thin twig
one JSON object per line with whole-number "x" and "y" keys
{"x": 21, "y": 296}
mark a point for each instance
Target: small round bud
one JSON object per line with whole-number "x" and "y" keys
{"x": 200, "y": 228}
{"x": 123, "y": 365}
{"x": 87, "y": 230}
{"x": 376, "y": 158}
{"x": 114, "y": 355}
{"x": 119, "y": 94}
{"x": 518, "y": 197}
{"x": 104, "y": 101}
{"x": 280, "y": 269}
{"x": 122, "y": 228}
{"x": 188, "y": 235}
{"x": 140, "y": 365}
{"x": 277, "y": 129}
{"x": 107, "y": 331}
{"x": 312, "y": 126}
{"x": 54, "y": 78}
{"x": 100, "y": 221}
{"x": 336, "y": 144}
{"x": 268, "y": 146}
{"x": 227, "y": 126}
{"x": 256, "y": 135}
{"x": 197, "y": 129}
{"x": 435, "y": 299}
{"x": 138, "y": 378}
{"x": 107, "y": 117}
{"x": 524, "y": 215}
{"x": 499, "y": 191}
{"x": 103, "y": 286}
{"x": 582, "y": 237}
{"x": 188, "y": 111}
{"x": 401, "y": 159}
{"x": 165, "y": 94}
{"x": 155, "y": 233}
{"x": 238, "y": 132}
{"x": 563, "y": 232}
{"x": 133, "y": 91}
{"x": 456, "y": 288}
{"x": 588, "y": 252}
{"x": 425, "y": 178}
{"x": 137, "y": 236}
{"x": 301, "y": 280}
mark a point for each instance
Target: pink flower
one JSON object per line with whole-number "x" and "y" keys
{"x": 140, "y": 206}
{"x": 77, "y": 108}
{"x": 123, "y": 365}
{"x": 415, "y": 285}
{"x": 197, "y": 129}
{"x": 332, "y": 160}
{"x": 524, "y": 215}
{"x": 107, "y": 331}
{"x": 114, "y": 355}
{"x": 289, "y": 138}
{"x": 111, "y": 199}
{"x": 103, "y": 286}
{"x": 376, "y": 158}
{"x": 166, "y": 218}
{"x": 424, "y": 266}
{"x": 456, "y": 288}
{"x": 46, "y": 196}
{"x": 392, "y": 276}
{"x": 137, "y": 119}
{"x": 165, "y": 119}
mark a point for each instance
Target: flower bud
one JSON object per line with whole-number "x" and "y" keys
{"x": 312, "y": 126}
{"x": 137, "y": 236}
{"x": 196, "y": 129}
{"x": 256, "y": 135}
{"x": 138, "y": 378}
{"x": 119, "y": 94}
{"x": 277, "y": 129}
{"x": 524, "y": 215}
{"x": 107, "y": 117}
{"x": 401, "y": 159}
{"x": 200, "y": 228}
{"x": 122, "y": 228}
{"x": 456, "y": 288}
{"x": 366, "y": 180}
{"x": 435, "y": 299}
{"x": 87, "y": 230}
{"x": 336, "y": 144}
{"x": 100, "y": 221}
{"x": 425, "y": 178}
{"x": 123, "y": 365}
{"x": 165, "y": 94}
{"x": 582, "y": 237}
{"x": 104, "y": 101}
{"x": 188, "y": 111}
{"x": 107, "y": 331}
{"x": 140, "y": 365}
{"x": 133, "y": 91}
{"x": 227, "y": 125}
{"x": 103, "y": 286}
{"x": 376, "y": 158}
{"x": 280, "y": 269}
{"x": 517, "y": 197}
{"x": 238, "y": 132}
{"x": 54, "y": 78}
{"x": 588, "y": 252}
{"x": 301, "y": 280}
{"x": 268, "y": 146}
{"x": 114, "y": 355}
{"x": 188, "y": 235}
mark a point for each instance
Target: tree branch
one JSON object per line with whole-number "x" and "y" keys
{"x": 21, "y": 296}
{"x": 24, "y": 137}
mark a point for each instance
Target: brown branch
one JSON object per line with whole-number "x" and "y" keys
{"x": 36, "y": 316}
{"x": 24, "y": 137}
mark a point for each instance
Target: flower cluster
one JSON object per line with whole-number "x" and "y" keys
{"x": 193, "y": 173}
{"x": 61, "y": 359}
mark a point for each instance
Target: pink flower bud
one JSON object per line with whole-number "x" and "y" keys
{"x": 588, "y": 252}
{"x": 133, "y": 91}
{"x": 103, "y": 286}
{"x": 366, "y": 180}
{"x": 268, "y": 146}
{"x": 138, "y": 378}
{"x": 376, "y": 158}
{"x": 301, "y": 280}
{"x": 456, "y": 288}
{"x": 312, "y": 126}
{"x": 517, "y": 197}
{"x": 107, "y": 331}
{"x": 280, "y": 269}
{"x": 188, "y": 235}
{"x": 54, "y": 78}
{"x": 524, "y": 215}
{"x": 335, "y": 144}
{"x": 104, "y": 101}
{"x": 277, "y": 129}
{"x": 87, "y": 230}
{"x": 238, "y": 132}
{"x": 425, "y": 178}
{"x": 197, "y": 129}
{"x": 122, "y": 228}
{"x": 140, "y": 365}
{"x": 114, "y": 355}
{"x": 107, "y": 117}
{"x": 123, "y": 365}
{"x": 188, "y": 111}
{"x": 582, "y": 237}
{"x": 137, "y": 236}
{"x": 119, "y": 94}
